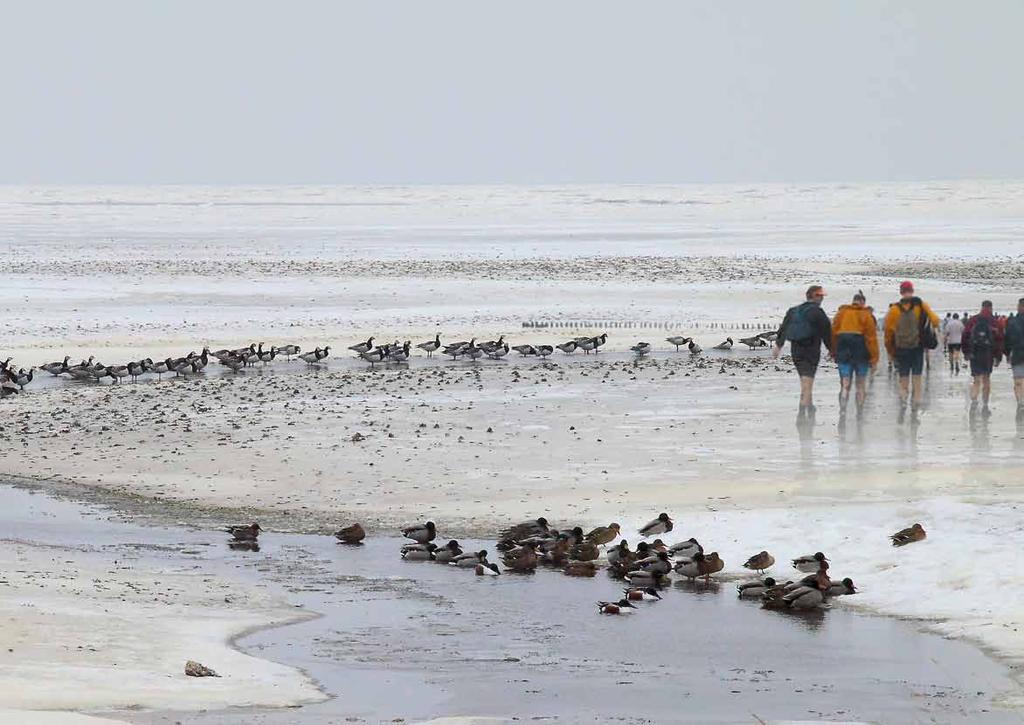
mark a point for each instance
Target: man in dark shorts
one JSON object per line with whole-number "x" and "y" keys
{"x": 908, "y": 330}
{"x": 983, "y": 348}
{"x": 807, "y": 328}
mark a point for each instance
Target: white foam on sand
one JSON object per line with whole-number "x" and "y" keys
{"x": 28, "y": 717}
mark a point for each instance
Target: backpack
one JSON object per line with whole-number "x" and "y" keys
{"x": 1015, "y": 338}
{"x": 981, "y": 336}
{"x": 799, "y": 328}
{"x": 908, "y": 329}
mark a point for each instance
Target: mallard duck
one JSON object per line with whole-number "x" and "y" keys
{"x": 908, "y": 535}
{"x": 603, "y": 534}
{"x": 759, "y": 562}
{"x": 557, "y": 553}
{"x": 249, "y": 532}
{"x": 701, "y": 565}
{"x": 487, "y": 569}
{"x": 659, "y": 563}
{"x": 623, "y": 606}
{"x": 523, "y": 559}
{"x": 353, "y": 534}
{"x": 620, "y": 553}
{"x": 644, "y": 578}
{"x": 841, "y": 588}
{"x": 810, "y": 563}
{"x": 419, "y": 552}
{"x": 580, "y": 568}
{"x": 642, "y": 594}
{"x": 660, "y": 525}
{"x": 686, "y": 549}
{"x": 470, "y": 560}
{"x": 575, "y": 536}
{"x": 801, "y": 598}
{"x": 448, "y": 552}
{"x": 754, "y": 589}
{"x": 584, "y": 551}
{"x": 421, "y": 532}
{"x": 525, "y": 529}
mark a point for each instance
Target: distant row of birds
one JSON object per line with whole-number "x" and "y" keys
{"x": 92, "y": 370}
{"x": 14, "y": 381}
{"x": 647, "y": 569}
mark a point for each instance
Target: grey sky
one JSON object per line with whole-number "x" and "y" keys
{"x": 520, "y": 92}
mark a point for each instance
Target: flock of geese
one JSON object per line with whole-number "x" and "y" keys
{"x": 13, "y": 381}
{"x": 647, "y": 569}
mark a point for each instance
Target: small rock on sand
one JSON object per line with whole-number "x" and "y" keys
{"x": 194, "y": 669}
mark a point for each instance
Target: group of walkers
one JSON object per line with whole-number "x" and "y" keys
{"x": 910, "y": 330}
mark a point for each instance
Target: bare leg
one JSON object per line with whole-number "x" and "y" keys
{"x": 862, "y": 391}
{"x": 917, "y": 390}
{"x": 844, "y": 394}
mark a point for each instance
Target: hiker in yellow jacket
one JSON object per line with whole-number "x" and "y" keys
{"x": 855, "y": 346}
{"x": 910, "y": 329}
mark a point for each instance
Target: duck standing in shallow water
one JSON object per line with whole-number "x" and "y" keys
{"x": 421, "y": 533}
{"x": 250, "y": 532}
{"x": 661, "y": 525}
{"x": 623, "y": 606}
{"x": 352, "y": 535}
{"x": 603, "y": 534}
{"x": 908, "y": 535}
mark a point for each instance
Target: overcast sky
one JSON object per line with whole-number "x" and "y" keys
{"x": 516, "y": 92}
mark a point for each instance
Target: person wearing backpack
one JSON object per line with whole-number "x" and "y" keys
{"x": 1013, "y": 344}
{"x": 855, "y": 346}
{"x": 983, "y": 347}
{"x": 910, "y": 330}
{"x": 807, "y": 328}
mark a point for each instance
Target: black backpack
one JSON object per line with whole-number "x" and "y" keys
{"x": 799, "y": 328}
{"x": 981, "y": 335}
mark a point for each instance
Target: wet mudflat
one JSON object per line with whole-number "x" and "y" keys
{"x": 420, "y": 640}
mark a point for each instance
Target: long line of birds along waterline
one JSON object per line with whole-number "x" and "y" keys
{"x": 13, "y": 379}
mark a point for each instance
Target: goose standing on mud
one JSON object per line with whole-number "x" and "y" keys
{"x": 289, "y": 351}
{"x": 525, "y": 350}
{"x": 678, "y": 341}
{"x": 727, "y": 345}
{"x": 374, "y": 356}
{"x": 135, "y": 369}
{"x": 21, "y": 378}
{"x": 362, "y": 347}
{"x": 56, "y": 368}
{"x": 752, "y": 342}
{"x": 431, "y": 345}
{"x": 544, "y": 350}
{"x": 311, "y": 358}
{"x": 400, "y": 354}
{"x": 499, "y": 352}
{"x": 641, "y": 348}
{"x": 568, "y": 347}
{"x": 694, "y": 348}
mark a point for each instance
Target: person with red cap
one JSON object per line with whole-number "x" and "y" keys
{"x": 983, "y": 348}
{"x": 807, "y": 328}
{"x": 909, "y": 330}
